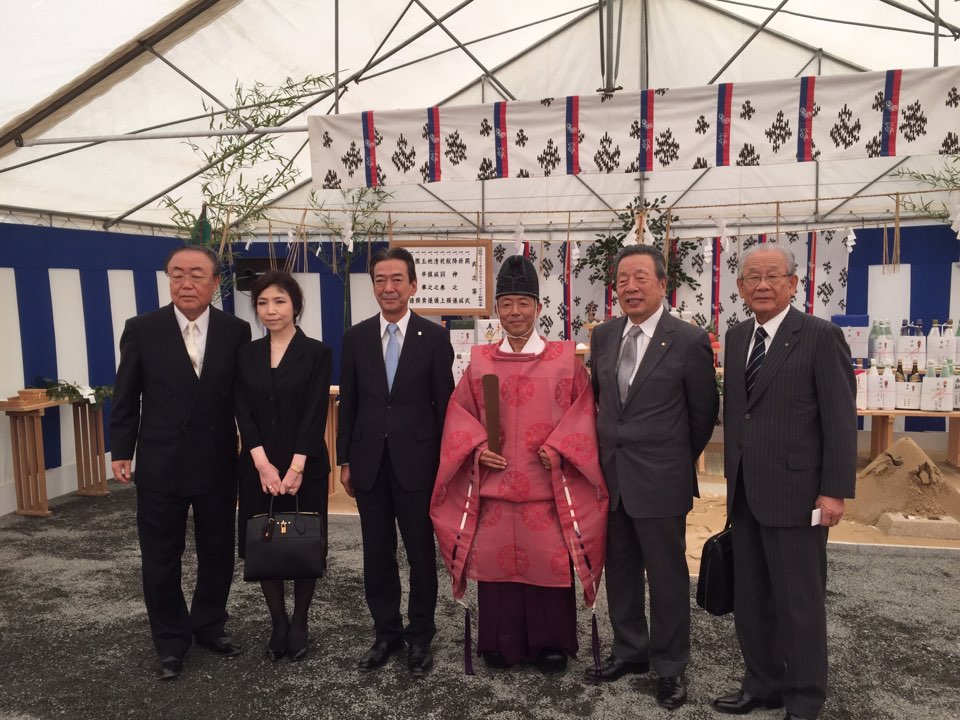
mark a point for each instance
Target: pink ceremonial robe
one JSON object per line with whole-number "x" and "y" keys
{"x": 524, "y": 524}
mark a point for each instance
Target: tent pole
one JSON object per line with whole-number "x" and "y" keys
{"x": 936, "y": 33}
{"x": 879, "y": 177}
{"x": 336, "y": 57}
{"x": 355, "y": 77}
{"x": 476, "y": 60}
{"x": 644, "y": 78}
{"x": 746, "y": 42}
{"x": 233, "y": 113}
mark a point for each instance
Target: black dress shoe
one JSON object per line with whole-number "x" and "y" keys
{"x": 613, "y": 668}
{"x": 791, "y": 716}
{"x": 419, "y": 660}
{"x": 221, "y": 646}
{"x": 671, "y": 691}
{"x": 298, "y": 643}
{"x": 740, "y": 703}
{"x": 551, "y": 661}
{"x": 277, "y": 647}
{"x": 378, "y": 654}
{"x": 495, "y": 660}
{"x": 170, "y": 668}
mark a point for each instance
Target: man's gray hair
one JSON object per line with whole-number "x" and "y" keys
{"x": 769, "y": 246}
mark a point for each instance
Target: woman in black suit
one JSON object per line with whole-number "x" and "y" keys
{"x": 282, "y": 390}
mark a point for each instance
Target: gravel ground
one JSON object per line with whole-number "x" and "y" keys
{"x": 74, "y": 641}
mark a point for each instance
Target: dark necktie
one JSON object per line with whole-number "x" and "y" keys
{"x": 756, "y": 359}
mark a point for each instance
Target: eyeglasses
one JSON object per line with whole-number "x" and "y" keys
{"x": 751, "y": 281}
{"x": 177, "y": 278}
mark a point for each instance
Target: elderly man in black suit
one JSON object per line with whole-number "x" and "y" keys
{"x": 173, "y": 406}
{"x": 655, "y": 385}
{"x": 395, "y": 383}
{"x": 790, "y": 454}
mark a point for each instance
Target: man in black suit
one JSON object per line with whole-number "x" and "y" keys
{"x": 173, "y": 405}
{"x": 395, "y": 383}
{"x": 790, "y": 455}
{"x": 656, "y": 390}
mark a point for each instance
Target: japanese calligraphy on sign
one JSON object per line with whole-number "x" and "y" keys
{"x": 454, "y": 277}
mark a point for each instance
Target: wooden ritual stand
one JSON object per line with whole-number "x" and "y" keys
{"x": 26, "y": 438}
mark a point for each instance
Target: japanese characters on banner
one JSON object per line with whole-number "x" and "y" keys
{"x": 821, "y": 267}
{"x": 864, "y": 115}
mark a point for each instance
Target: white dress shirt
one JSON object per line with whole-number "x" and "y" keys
{"x": 401, "y": 332}
{"x": 647, "y": 328}
{"x": 202, "y": 324}
{"x": 770, "y": 327}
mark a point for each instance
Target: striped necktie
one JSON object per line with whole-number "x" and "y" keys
{"x": 756, "y": 359}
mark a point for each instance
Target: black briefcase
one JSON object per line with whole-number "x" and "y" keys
{"x": 715, "y": 584}
{"x": 285, "y": 546}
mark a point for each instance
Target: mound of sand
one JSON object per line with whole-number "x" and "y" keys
{"x": 902, "y": 479}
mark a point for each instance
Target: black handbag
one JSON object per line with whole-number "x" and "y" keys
{"x": 715, "y": 584}
{"x": 285, "y": 546}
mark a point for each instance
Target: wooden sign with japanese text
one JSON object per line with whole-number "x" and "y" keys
{"x": 454, "y": 277}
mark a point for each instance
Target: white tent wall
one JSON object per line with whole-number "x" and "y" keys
{"x": 269, "y": 40}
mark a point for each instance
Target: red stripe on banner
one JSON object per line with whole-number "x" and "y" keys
{"x": 567, "y": 300}
{"x": 716, "y": 284}
{"x": 673, "y": 254}
{"x": 502, "y": 143}
{"x": 435, "y": 144}
{"x": 894, "y": 112}
{"x": 573, "y": 135}
{"x": 648, "y": 116}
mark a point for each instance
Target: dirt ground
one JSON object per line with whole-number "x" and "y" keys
{"x": 709, "y": 511}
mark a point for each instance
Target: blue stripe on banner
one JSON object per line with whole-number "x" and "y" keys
{"x": 145, "y": 290}
{"x": 930, "y": 251}
{"x": 39, "y": 348}
{"x": 802, "y": 124}
{"x": 98, "y": 323}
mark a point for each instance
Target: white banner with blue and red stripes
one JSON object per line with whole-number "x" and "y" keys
{"x": 838, "y": 117}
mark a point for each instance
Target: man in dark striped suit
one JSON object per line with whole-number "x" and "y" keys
{"x": 790, "y": 454}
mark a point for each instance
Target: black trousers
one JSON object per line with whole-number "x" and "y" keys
{"x": 651, "y": 549}
{"x": 162, "y": 527}
{"x": 780, "y": 576}
{"x": 383, "y": 508}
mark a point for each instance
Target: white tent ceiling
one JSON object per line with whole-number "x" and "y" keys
{"x": 535, "y": 49}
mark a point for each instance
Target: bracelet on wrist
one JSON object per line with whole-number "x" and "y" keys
{"x": 296, "y": 468}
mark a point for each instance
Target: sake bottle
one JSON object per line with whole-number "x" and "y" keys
{"x": 915, "y": 373}
{"x": 899, "y": 374}
{"x": 904, "y": 328}
{"x": 872, "y": 339}
{"x": 873, "y": 386}
{"x": 956, "y": 387}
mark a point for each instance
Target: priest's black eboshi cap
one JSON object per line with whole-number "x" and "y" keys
{"x": 518, "y": 276}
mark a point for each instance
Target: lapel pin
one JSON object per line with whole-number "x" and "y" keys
{"x": 419, "y": 333}
{"x": 663, "y": 344}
